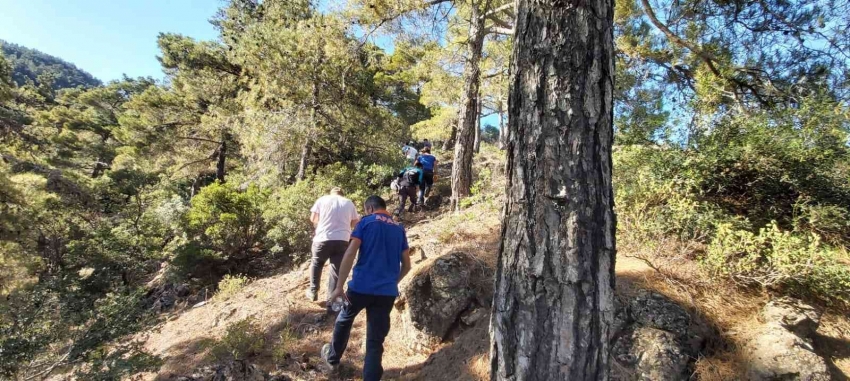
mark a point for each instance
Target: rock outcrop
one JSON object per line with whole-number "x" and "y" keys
{"x": 437, "y": 299}
{"x": 780, "y": 348}
{"x": 654, "y": 339}
{"x": 433, "y": 202}
{"x": 237, "y": 370}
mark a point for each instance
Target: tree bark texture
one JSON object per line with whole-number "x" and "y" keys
{"x": 477, "y": 146}
{"x": 553, "y": 304}
{"x": 222, "y": 159}
{"x": 450, "y": 142}
{"x": 307, "y": 149}
{"x": 467, "y": 120}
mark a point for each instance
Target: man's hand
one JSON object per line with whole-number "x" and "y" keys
{"x": 338, "y": 292}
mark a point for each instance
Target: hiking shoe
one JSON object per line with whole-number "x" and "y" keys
{"x": 326, "y": 352}
{"x": 312, "y": 295}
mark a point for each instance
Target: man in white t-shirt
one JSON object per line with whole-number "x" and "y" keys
{"x": 409, "y": 152}
{"x": 333, "y": 216}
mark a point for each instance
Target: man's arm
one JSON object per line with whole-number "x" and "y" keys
{"x": 405, "y": 264}
{"x": 314, "y": 218}
{"x": 345, "y": 266}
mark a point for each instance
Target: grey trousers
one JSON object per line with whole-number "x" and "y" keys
{"x": 322, "y": 252}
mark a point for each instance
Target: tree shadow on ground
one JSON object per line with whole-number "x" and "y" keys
{"x": 832, "y": 349}
{"x": 182, "y": 358}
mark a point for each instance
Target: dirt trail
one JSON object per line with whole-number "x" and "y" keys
{"x": 279, "y": 305}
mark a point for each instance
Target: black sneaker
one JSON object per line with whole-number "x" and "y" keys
{"x": 326, "y": 352}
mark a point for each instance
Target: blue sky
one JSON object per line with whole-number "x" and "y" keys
{"x": 111, "y": 38}
{"x": 105, "y": 38}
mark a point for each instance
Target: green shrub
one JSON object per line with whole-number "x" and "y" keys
{"x": 832, "y": 222}
{"x": 230, "y": 285}
{"x": 764, "y": 165}
{"x": 192, "y": 259}
{"x": 241, "y": 340}
{"x": 777, "y": 258}
{"x": 227, "y": 220}
{"x": 286, "y": 339}
{"x": 289, "y": 208}
{"x": 654, "y": 197}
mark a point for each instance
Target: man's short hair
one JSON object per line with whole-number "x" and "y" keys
{"x": 375, "y": 202}
{"x": 426, "y": 150}
{"x": 337, "y": 190}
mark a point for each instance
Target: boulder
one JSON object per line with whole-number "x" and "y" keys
{"x": 651, "y": 309}
{"x": 433, "y": 202}
{"x": 472, "y": 316}
{"x": 654, "y": 339}
{"x": 650, "y": 354}
{"x": 183, "y": 290}
{"x": 793, "y": 314}
{"x": 779, "y": 349}
{"x": 162, "y": 298}
{"x": 433, "y": 301}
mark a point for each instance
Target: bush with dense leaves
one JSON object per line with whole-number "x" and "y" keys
{"x": 288, "y": 210}
{"x": 766, "y": 195}
{"x": 777, "y": 258}
{"x": 224, "y": 227}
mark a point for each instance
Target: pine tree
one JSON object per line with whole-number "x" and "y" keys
{"x": 553, "y": 304}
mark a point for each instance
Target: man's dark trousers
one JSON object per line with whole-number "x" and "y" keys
{"x": 322, "y": 252}
{"x": 378, "y": 308}
{"x": 406, "y": 192}
{"x": 425, "y": 187}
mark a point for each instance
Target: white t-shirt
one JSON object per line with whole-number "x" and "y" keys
{"x": 410, "y": 152}
{"x": 335, "y": 216}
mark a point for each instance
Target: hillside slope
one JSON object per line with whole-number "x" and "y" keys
{"x": 29, "y": 64}
{"x": 291, "y": 330}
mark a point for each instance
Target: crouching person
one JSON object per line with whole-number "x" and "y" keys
{"x": 382, "y": 262}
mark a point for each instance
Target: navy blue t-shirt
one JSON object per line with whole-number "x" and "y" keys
{"x": 379, "y": 263}
{"x": 427, "y": 161}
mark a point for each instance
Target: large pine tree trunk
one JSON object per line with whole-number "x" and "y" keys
{"x": 307, "y": 149}
{"x": 220, "y": 165}
{"x": 477, "y": 145}
{"x": 467, "y": 121}
{"x": 553, "y": 304}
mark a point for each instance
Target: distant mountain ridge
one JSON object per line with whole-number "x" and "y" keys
{"x": 29, "y": 64}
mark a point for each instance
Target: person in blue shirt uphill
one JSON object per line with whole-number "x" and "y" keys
{"x": 408, "y": 184}
{"x": 429, "y": 163}
{"x": 383, "y": 260}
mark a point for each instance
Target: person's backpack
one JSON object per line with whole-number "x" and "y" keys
{"x": 410, "y": 176}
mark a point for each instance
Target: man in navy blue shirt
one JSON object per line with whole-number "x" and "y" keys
{"x": 429, "y": 163}
{"x": 383, "y": 261}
